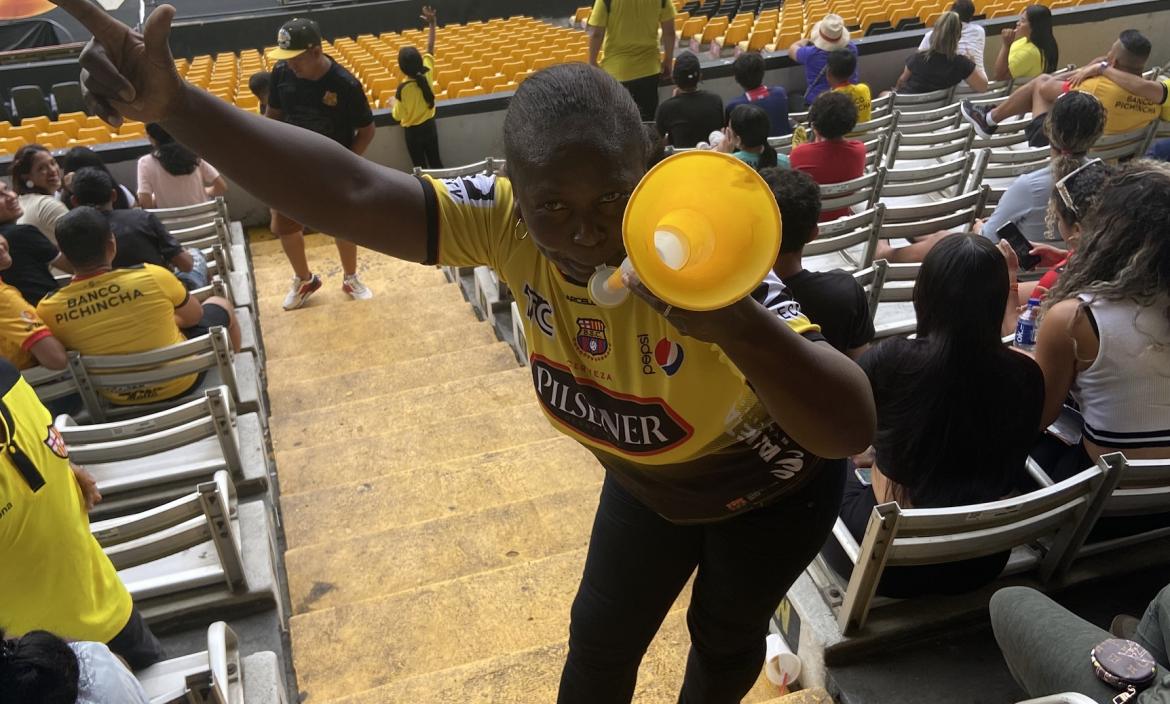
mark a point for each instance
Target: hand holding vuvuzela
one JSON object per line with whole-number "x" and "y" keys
{"x": 123, "y": 73}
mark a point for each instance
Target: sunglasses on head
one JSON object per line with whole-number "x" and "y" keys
{"x": 1063, "y": 184}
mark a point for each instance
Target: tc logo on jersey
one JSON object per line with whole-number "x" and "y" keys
{"x": 539, "y": 310}
{"x": 669, "y": 355}
{"x": 591, "y": 337}
{"x": 56, "y": 443}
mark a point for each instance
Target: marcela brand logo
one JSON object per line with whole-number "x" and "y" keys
{"x": 591, "y": 337}
{"x": 633, "y": 425}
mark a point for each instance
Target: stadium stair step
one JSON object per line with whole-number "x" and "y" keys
{"x": 436, "y": 523}
{"x": 430, "y": 491}
{"x": 393, "y": 452}
{"x": 292, "y": 395}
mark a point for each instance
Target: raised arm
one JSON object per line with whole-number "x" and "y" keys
{"x": 1001, "y": 71}
{"x": 1153, "y": 91}
{"x": 431, "y": 18}
{"x": 131, "y": 75}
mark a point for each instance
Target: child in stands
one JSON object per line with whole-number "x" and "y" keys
{"x": 833, "y": 299}
{"x": 723, "y": 445}
{"x": 936, "y": 395}
{"x": 41, "y": 667}
{"x": 687, "y": 117}
{"x": 830, "y": 157}
{"x": 260, "y": 83}
{"x": 746, "y": 138}
{"x": 749, "y": 74}
{"x": 842, "y": 67}
{"x": 414, "y": 101}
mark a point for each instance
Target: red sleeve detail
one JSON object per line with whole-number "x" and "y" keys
{"x": 1065, "y": 87}
{"x": 35, "y": 338}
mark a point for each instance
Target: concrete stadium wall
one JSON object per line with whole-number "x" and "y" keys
{"x": 471, "y": 129}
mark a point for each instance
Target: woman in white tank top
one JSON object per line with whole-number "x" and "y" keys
{"x": 1105, "y": 333}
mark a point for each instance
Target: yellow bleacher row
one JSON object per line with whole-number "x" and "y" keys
{"x": 70, "y": 129}
{"x": 776, "y": 29}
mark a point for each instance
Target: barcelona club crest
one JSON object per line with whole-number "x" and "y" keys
{"x": 56, "y": 443}
{"x": 591, "y": 337}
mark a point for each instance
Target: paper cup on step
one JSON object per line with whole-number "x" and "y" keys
{"x": 781, "y": 665}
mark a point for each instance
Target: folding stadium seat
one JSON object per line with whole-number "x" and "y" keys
{"x": 455, "y": 89}
{"x": 952, "y": 214}
{"x": 477, "y": 73}
{"x": 28, "y": 101}
{"x": 921, "y": 184}
{"x": 220, "y": 671}
{"x": 692, "y": 27}
{"x": 933, "y": 145}
{"x": 28, "y": 134}
{"x": 79, "y": 117}
{"x": 846, "y": 243}
{"x": 198, "y": 555}
{"x": 491, "y": 83}
{"x": 1127, "y": 145}
{"x": 94, "y": 121}
{"x": 756, "y": 41}
{"x": 69, "y": 127}
{"x": 862, "y": 191}
{"x": 735, "y": 34}
{"x": 715, "y": 27}
{"x": 39, "y": 123}
{"x": 542, "y": 62}
{"x": 472, "y": 92}
{"x": 53, "y": 140}
{"x": 890, "y": 291}
{"x": 146, "y": 461}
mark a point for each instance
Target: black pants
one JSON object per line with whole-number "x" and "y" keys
{"x": 136, "y": 644}
{"x": 638, "y": 563}
{"x": 645, "y": 92}
{"x": 422, "y": 143}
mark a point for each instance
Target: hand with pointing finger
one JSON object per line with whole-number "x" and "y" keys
{"x": 123, "y": 73}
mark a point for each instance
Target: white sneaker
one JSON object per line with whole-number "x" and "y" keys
{"x": 300, "y": 291}
{"x": 356, "y": 289}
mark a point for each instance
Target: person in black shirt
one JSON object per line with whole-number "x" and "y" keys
{"x": 141, "y": 237}
{"x": 941, "y": 66}
{"x": 692, "y": 114}
{"x": 832, "y": 299}
{"x": 310, "y": 90}
{"x": 32, "y": 253}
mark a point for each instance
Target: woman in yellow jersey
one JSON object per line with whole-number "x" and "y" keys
{"x": 1028, "y": 49}
{"x": 721, "y": 432}
{"x": 414, "y": 102}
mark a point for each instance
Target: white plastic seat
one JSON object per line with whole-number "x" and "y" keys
{"x": 846, "y": 243}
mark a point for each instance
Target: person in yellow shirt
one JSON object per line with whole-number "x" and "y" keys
{"x": 839, "y": 72}
{"x": 413, "y": 105}
{"x": 722, "y": 433}
{"x": 57, "y": 577}
{"x": 24, "y": 339}
{"x": 112, "y": 311}
{"x": 1028, "y": 49}
{"x": 625, "y": 35}
{"x": 1131, "y": 102}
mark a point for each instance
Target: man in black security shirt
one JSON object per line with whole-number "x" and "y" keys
{"x": 832, "y": 299}
{"x": 32, "y": 253}
{"x": 310, "y": 90}
{"x": 141, "y": 237}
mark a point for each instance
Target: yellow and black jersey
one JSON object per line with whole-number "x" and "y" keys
{"x": 56, "y": 577}
{"x": 669, "y": 415}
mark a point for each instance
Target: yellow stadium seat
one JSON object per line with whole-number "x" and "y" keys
{"x": 99, "y": 134}
{"x": 53, "y": 140}
{"x": 455, "y": 88}
{"x": 542, "y": 62}
{"x": 581, "y": 16}
{"x": 693, "y": 26}
{"x": 40, "y": 122}
{"x": 87, "y": 142}
{"x": 472, "y": 92}
{"x": 520, "y": 77}
{"x": 735, "y": 34}
{"x": 714, "y": 28}
{"x": 477, "y": 73}
{"x": 756, "y": 41}
{"x": 5, "y": 126}
{"x": 490, "y": 83}
{"x": 26, "y": 133}
{"x": 69, "y": 127}
{"x": 132, "y": 129}
{"x": 78, "y": 117}
{"x": 9, "y": 145}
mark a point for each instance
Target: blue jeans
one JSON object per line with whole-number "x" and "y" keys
{"x": 197, "y": 277}
{"x": 638, "y": 563}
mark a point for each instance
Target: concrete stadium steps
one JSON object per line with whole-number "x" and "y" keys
{"x": 294, "y": 395}
{"x": 396, "y": 452}
{"x": 375, "y": 565}
{"x": 430, "y": 491}
{"x": 357, "y": 356}
{"x": 532, "y": 675}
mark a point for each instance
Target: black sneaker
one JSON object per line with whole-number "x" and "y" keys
{"x": 977, "y": 116}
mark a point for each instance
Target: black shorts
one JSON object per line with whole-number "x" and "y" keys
{"x": 136, "y": 644}
{"x": 213, "y": 316}
{"x": 1035, "y": 131}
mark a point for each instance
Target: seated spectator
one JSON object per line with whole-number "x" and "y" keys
{"x": 259, "y": 83}
{"x": 746, "y": 138}
{"x": 1073, "y": 126}
{"x": 122, "y": 311}
{"x": 940, "y": 399}
{"x": 827, "y": 36}
{"x": 24, "y": 339}
{"x": 36, "y": 178}
{"x": 972, "y": 39}
{"x": 832, "y": 299}
{"x": 686, "y": 118}
{"x": 41, "y": 667}
{"x": 172, "y": 176}
{"x": 1047, "y": 647}
{"x": 141, "y": 236}
{"x": 941, "y": 66}
{"x": 841, "y": 68}
{"x": 1028, "y": 49}
{"x": 829, "y": 157}
{"x": 84, "y": 157}
{"x": 1104, "y": 336}
{"x": 31, "y": 252}
{"x": 749, "y": 74}
{"x": 1130, "y": 101}
{"x": 69, "y": 587}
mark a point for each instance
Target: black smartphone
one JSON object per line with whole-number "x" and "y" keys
{"x": 1023, "y": 247}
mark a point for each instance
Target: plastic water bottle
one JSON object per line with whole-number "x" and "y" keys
{"x": 1027, "y": 324}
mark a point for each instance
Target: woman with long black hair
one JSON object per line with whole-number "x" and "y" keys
{"x": 414, "y": 102}
{"x": 1029, "y": 49}
{"x": 173, "y": 176}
